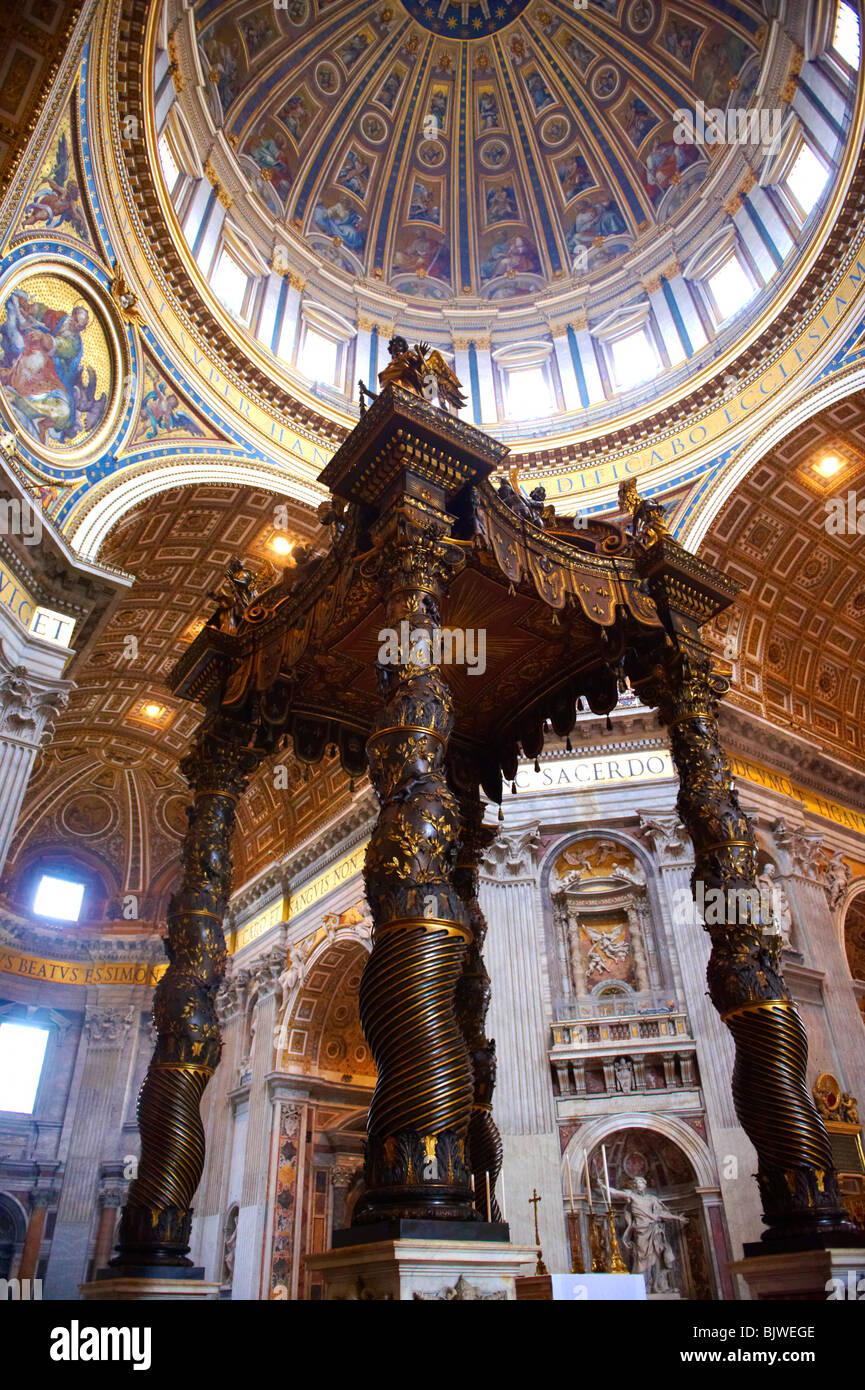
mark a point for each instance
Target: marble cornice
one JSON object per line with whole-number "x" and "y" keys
{"x": 326, "y": 846}
{"x": 790, "y": 754}
{"x": 65, "y": 944}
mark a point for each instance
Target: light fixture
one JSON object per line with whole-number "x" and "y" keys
{"x": 153, "y": 711}
{"x": 281, "y": 545}
{"x": 828, "y": 465}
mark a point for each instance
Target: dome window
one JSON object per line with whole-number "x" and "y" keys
{"x": 325, "y": 340}
{"x": 527, "y": 389}
{"x": 528, "y": 393}
{"x": 846, "y": 41}
{"x": 22, "y": 1054}
{"x": 170, "y": 166}
{"x": 730, "y": 288}
{"x": 58, "y": 898}
{"x": 319, "y": 356}
{"x": 231, "y": 283}
{"x": 806, "y": 180}
{"x": 634, "y": 359}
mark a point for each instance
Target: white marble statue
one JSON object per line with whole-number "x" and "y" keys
{"x": 838, "y": 877}
{"x": 772, "y": 890}
{"x": 645, "y": 1237}
{"x": 624, "y": 1074}
{"x": 292, "y": 975}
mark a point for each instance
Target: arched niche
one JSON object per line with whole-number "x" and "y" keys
{"x": 321, "y": 1051}
{"x": 853, "y": 926}
{"x": 603, "y": 923}
{"x": 319, "y": 1033}
{"x": 677, "y": 1168}
{"x": 13, "y": 1227}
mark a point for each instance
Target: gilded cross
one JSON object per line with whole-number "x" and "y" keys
{"x": 533, "y": 1202}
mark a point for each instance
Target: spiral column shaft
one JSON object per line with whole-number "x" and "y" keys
{"x": 155, "y": 1224}
{"x": 419, "y": 1117}
{"x": 473, "y": 1001}
{"x": 798, "y": 1183}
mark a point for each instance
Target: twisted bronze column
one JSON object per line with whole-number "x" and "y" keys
{"x": 798, "y": 1183}
{"x": 154, "y": 1227}
{"x": 473, "y": 1002}
{"x": 419, "y": 1117}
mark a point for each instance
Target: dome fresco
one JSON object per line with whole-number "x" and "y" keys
{"x": 544, "y": 143}
{"x": 530, "y": 187}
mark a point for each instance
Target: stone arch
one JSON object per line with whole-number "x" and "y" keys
{"x": 111, "y": 499}
{"x": 705, "y": 510}
{"x": 587, "y": 1139}
{"x": 15, "y": 1214}
{"x": 678, "y": 1168}
{"x": 338, "y": 949}
{"x": 851, "y": 927}
{"x": 626, "y": 838}
{"x": 13, "y": 1228}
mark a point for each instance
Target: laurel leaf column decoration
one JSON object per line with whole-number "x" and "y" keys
{"x": 473, "y": 1002}
{"x": 797, "y": 1179}
{"x": 419, "y": 1116}
{"x": 156, "y": 1220}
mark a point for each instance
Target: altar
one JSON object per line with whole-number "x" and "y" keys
{"x": 582, "y": 1288}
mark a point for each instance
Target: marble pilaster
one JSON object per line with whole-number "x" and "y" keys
{"x": 105, "y": 1067}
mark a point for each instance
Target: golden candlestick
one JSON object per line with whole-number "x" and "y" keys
{"x": 617, "y": 1264}
{"x": 577, "y": 1262}
{"x": 540, "y": 1268}
{"x": 599, "y": 1264}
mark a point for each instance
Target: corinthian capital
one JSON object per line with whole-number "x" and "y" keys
{"x": 512, "y": 855}
{"x": 108, "y": 1027}
{"x": 803, "y": 849}
{"x": 668, "y": 837}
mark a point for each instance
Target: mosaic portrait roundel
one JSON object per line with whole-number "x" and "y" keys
{"x": 57, "y": 372}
